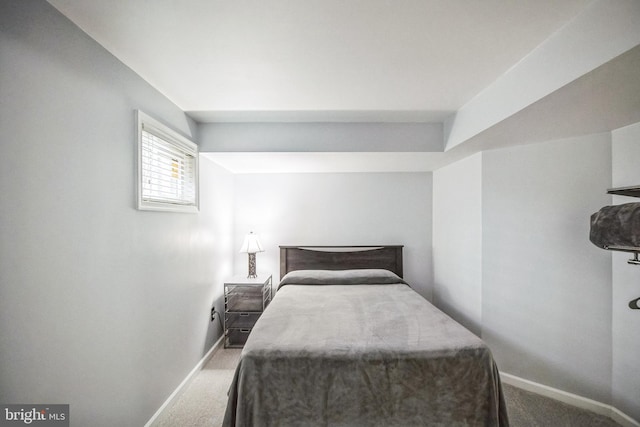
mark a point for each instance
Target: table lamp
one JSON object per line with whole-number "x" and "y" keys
{"x": 250, "y": 246}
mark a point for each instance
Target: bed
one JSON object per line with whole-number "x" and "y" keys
{"x": 347, "y": 342}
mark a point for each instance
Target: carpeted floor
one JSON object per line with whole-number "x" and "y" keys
{"x": 528, "y": 409}
{"x": 204, "y": 401}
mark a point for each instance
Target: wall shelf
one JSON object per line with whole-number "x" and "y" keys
{"x": 633, "y": 191}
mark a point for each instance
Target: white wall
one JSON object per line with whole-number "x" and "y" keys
{"x": 457, "y": 241}
{"x": 216, "y": 233}
{"x": 626, "y": 283}
{"x": 322, "y": 137}
{"x": 337, "y": 209}
{"x": 102, "y": 306}
{"x": 546, "y": 290}
{"x": 553, "y": 307}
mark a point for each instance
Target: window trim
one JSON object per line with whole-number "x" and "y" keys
{"x": 146, "y": 122}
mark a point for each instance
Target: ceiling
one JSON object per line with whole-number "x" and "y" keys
{"x": 333, "y": 61}
{"x": 214, "y": 58}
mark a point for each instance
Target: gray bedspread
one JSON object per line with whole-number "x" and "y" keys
{"x": 362, "y": 355}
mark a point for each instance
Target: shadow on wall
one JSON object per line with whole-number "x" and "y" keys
{"x": 441, "y": 296}
{"x": 540, "y": 366}
{"x": 215, "y": 329}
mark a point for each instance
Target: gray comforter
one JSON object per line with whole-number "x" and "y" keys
{"x": 362, "y": 355}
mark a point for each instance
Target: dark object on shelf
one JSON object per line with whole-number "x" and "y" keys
{"x": 617, "y": 227}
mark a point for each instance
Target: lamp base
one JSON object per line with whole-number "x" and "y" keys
{"x": 252, "y": 266}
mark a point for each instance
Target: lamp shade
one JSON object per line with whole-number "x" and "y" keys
{"x": 251, "y": 244}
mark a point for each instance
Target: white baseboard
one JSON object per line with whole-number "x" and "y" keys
{"x": 183, "y": 385}
{"x": 571, "y": 399}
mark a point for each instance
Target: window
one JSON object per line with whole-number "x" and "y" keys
{"x": 167, "y": 168}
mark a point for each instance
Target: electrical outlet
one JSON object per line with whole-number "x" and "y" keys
{"x": 213, "y": 313}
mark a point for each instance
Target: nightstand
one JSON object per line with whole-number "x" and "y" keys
{"x": 244, "y": 301}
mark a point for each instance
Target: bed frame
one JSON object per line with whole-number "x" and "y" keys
{"x": 340, "y": 258}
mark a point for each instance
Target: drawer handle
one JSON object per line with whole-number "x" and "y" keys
{"x": 245, "y": 331}
{"x": 244, "y": 314}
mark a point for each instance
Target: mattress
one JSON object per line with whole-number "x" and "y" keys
{"x": 361, "y": 349}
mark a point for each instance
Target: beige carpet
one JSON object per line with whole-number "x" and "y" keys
{"x": 205, "y": 398}
{"x": 532, "y": 410}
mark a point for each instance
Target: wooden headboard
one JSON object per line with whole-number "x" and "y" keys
{"x": 340, "y": 258}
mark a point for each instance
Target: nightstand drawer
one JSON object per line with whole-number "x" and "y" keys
{"x": 236, "y": 337}
{"x": 241, "y": 320}
{"x": 244, "y": 298}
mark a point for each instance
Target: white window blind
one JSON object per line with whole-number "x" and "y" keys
{"x": 167, "y": 168}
